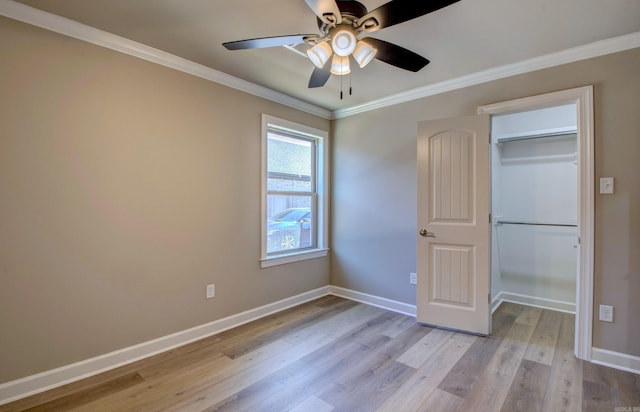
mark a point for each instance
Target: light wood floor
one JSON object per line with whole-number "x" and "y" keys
{"x": 337, "y": 355}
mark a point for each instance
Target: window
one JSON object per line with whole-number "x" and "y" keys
{"x": 294, "y": 198}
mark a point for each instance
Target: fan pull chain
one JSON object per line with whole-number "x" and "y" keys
{"x": 349, "y": 83}
{"x": 341, "y": 81}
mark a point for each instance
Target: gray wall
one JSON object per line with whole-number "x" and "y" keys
{"x": 116, "y": 207}
{"x": 374, "y": 186}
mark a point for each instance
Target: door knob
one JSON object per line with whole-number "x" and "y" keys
{"x": 426, "y": 233}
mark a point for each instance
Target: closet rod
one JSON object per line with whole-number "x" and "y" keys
{"x": 507, "y": 222}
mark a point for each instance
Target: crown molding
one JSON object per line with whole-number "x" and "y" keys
{"x": 596, "y": 49}
{"x": 71, "y": 28}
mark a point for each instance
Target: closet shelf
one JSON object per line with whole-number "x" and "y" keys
{"x": 542, "y": 134}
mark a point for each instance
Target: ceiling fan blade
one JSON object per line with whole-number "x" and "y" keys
{"x": 397, "y": 56}
{"x": 263, "y": 42}
{"x": 326, "y": 10}
{"x": 319, "y": 77}
{"x": 399, "y": 11}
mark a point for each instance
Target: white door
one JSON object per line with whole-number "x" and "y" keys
{"x": 453, "y": 222}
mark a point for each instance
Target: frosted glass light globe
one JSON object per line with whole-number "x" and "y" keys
{"x": 343, "y": 42}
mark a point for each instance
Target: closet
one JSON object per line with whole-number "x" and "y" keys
{"x": 534, "y": 204}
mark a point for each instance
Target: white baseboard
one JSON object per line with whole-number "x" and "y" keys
{"x": 534, "y": 301}
{"x": 389, "y": 304}
{"x": 616, "y": 360}
{"x": 30, "y": 385}
{"x": 495, "y": 304}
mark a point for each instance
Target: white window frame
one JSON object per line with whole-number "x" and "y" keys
{"x": 321, "y": 137}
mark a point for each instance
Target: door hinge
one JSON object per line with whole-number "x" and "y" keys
{"x": 489, "y": 217}
{"x": 489, "y": 298}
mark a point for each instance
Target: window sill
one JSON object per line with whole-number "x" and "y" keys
{"x": 293, "y": 257}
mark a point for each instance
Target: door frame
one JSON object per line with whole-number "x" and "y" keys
{"x": 583, "y": 98}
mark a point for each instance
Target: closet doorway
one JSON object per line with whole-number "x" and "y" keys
{"x": 457, "y": 231}
{"x": 542, "y": 205}
{"x": 534, "y": 208}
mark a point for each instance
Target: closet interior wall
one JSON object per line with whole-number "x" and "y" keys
{"x": 535, "y": 208}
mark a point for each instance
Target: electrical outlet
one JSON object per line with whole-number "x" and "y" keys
{"x": 413, "y": 278}
{"x": 606, "y": 313}
{"x": 211, "y": 291}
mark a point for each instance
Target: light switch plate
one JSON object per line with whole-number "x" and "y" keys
{"x": 606, "y": 185}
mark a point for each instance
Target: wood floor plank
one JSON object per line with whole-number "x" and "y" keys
{"x": 398, "y": 325}
{"x": 462, "y": 378}
{"x": 368, "y": 394}
{"x": 377, "y": 372}
{"x": 564, "y": 388}
{"x": 363, "y": 336}
{"x": 210, "y": 395}
{"x": 330, "y": 361}
{"x": 417, "y": 389}
{"x": 425, "y": 348}
{"x": 335, "y": 354}
{"x": 466, "y": 372}
{"x": 345, "y": 357}
{"x": 441, "y": 401}
{"x": 209, "y": 352}
{"x": 338, "y": 325}
{"x": 544, "y": 339}
{"x": 186, "y": 360}
{"x": 529, "y": 316}
{"x": 243, "y": 344}
{"x": 599, "y": 397}
{"x": 493, "y": 384}
{"x": 629, "y": 388}
{"x": 510, "y": 308}
{"x": 88, "y": 395}
{"x": 105, "y": 377}
{"x": 528, "y": 387}
{"x": 312, "y": 403}
{"x": 599, "y": 374}
{"x": 66, "y": 390}
{"x": 259, "y": 326}
{"x": 187, "y": 383}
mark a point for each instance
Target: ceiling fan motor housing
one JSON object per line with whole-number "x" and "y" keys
{"x": 350, "y": 11}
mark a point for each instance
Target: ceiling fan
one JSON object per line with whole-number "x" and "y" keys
{"x": 344, "y": 27}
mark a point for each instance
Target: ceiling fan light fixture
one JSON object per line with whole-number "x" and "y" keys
{"x": 340, "y": 65}
{"x": 319, "y": 54}
{"x": 343, "y": 42}
{"x": 364, "y": 53}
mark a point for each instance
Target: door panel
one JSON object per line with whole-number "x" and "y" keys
{"x": 450, "y": 157}
{"x": 452, "y": 274}
{"x": 453, "y": 217}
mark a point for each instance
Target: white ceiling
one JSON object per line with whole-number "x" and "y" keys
{"x": 464, "y": 38}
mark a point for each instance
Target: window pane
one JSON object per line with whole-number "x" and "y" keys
{"x": 289, "y": 163}
{"x": 290, "y": 223}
